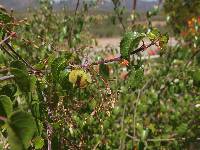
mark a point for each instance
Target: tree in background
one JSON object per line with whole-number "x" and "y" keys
{"x": 180, "y": 11}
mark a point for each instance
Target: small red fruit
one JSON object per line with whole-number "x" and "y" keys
{"x": 124, "y": 62}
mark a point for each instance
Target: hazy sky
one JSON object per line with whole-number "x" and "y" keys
{"x": 109, "y": 0}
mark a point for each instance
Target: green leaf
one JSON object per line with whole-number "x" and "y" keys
{"x": 163, "y": 40}
{"x": 18, "y": 65}
{"x": 38, "y": 142}
{"x": 54, "y": 68}
{"x": 4, "y": 17}
{"x": 59, "y": 65}
{"x": 153, "y": 12}
{"x": 129, "y": 41}
{"x": 104, "y": 70}
{"x": 39, "y": 66}
{"x": 144, "y": 134}
{"x": 19, "y": 70}
{"x": 182, "y": 128}
{"x": 141, "y": 145}
{"x": 196, "y": 77}
{"x": 35, "y": 109}
{"x": 64, "y": 81}
{"x": 6, "y": 107}
{"x": 9, "y": 90}
{"x": 55, "y": 143}
{"x": 80, "y": 23}
{"x": 22, "y": 79}
{"x": 153, "y": 34}
{"x": 21, "y": 128}
{"x": 135, "y": 78}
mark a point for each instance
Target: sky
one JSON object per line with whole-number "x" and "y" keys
{"x": 110, "y": 0}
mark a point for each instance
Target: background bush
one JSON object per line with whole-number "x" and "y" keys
{"x": 54, "y": 97}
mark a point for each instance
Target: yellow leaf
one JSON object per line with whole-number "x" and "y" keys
{"x": 79, "y": 78}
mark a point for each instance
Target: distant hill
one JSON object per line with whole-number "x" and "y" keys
{"x": 106, "y": 6}
{"x": 18, "y": 4}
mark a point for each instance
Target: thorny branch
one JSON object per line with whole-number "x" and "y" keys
{"x": 140, "y": 49}
{"x": 15, "y": 55}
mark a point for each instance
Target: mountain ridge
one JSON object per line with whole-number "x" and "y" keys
{"x": 106, "y": 6}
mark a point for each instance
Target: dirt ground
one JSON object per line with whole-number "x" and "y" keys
{"x": 114, "y": 42}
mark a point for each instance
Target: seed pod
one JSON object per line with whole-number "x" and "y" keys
{"x": 79, "y": 78}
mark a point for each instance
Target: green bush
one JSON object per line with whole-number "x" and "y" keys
{"x": 179, "y": 12}
{"x": 53, "y": 97}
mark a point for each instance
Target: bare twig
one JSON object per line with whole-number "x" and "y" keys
{"x": 192, "y": 57}
{"x": 116, "y": 5}
{"x": 142, "y": 48}
{"x": 116, "y": 59}
{"x": 7, "y": 52}
{"x": 106, "y": 61}
{"x": 18, "y": 56}
{"x": 134, "y": 5}
{"x": 23, "y": 60}
{"x": 6, "y": 39}
{"x": 4, "y": 78}
{"x": 96, "y": 145}
{"x": 120, "y": 20}
{"x": 77, "y": 5}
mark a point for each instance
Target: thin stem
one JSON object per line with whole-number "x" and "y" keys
{"x": 106, "y": 61}
{"x": 6, "y": 39}
{"x": 96, "y": 145}
{"x": 190, "y": 60}
{"x": 77, "y": 5}
{"x": 142, "y": 48}
{"x": 7, "y": 52}
{"x": 116, "y": 6}
{"x": 23, "y": 60}
{"x": 136, "y": 105}
{"x": 122, "y": 128}
{"x": 134, "y": 5}
{"x": 121, "y": 22}
{"x": 135, "y": 111}
{"x": 4, "y": 78}
{"x": 120, "y": 19}
{"x": 10, "y": 47}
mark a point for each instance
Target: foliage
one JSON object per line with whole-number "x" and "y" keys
{"x": 179, "y": 12}
{"x": 53, "y": 97}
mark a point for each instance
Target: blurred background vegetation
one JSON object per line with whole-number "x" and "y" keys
{"x": 154, "y": 103}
